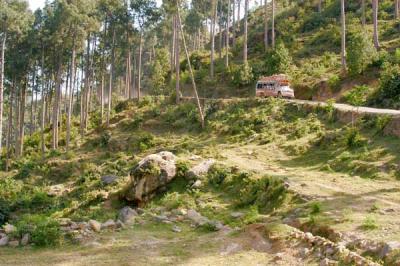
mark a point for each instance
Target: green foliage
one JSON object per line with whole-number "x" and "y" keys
{"x": 360, "y": 51}
{"x": 44, "y": 230}
{"x": 278, "y": 60}
{"x": 105, "y": 139}
{"x": 357, "y": 96}
{"x": 159, "y": 70}
{"x": 242, "y": 75}
{"x": 388, "y": 93}
{"x": 182, "y": 167}
{"x": 334, "y": 82}
{"x": 316, "y": 208}
{"x": 217, "y": 175}
{"x": 369, "y": 223}
{"x": 353, "y": 138}
{"x": 144, "y": 141}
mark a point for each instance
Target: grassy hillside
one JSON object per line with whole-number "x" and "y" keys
{"x": 309, "y": 51}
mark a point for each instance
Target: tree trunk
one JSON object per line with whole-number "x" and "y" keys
{"x": 71, "y": 96}
{"x": 220, "y": 37}
{"x": 233, "y": 23}
{"x": 177, "y": 64}
{"x": 213, "y": 22}
{"x": 396, "y": 9}
{"x": 375, "y": 6}
{"x": 190, "y": 70}
{"x": 319, "y": 6}
{"x": 32, "y": 100}
{"x": 343, "y": 46}
{"x": 273, "y": 25}
{"x": 10, "y": 126}
{"x": 111, "y": 78}
{"x": 246, "y": 11}
{"x": 227, "y": 35}
{"x": 56, "y": 106}
{"x": 139, "y": 88}
{"x": 363, "y": 20}
{"x": 86, "y": 92}
{"x": 21, "y": 120}
{"x": 42, "y": 117}
{"x": 173, "y": 35}
{"x": 2, "y": 64}
{"x": 266, "y": 25}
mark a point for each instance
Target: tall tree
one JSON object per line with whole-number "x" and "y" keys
{"x": 266, "y": 24}
{"x": 343, "y": 31}
{"x": 245, "y": 34}
{"x": 375, "y": 6}
{"x": 273, "y": 25}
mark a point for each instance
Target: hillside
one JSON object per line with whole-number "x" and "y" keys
{"x": 278, "y": 170}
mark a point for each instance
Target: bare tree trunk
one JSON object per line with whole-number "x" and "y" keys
{"x": 396, "y": 9}
{"x": 227, "y": 35}
{"x": 220, "y": 37}
{"x": 139, "y": 88}
{"x": 238, "y": 12}
{"x": 233, "y": 23}
{"x": 375, "y": 6}
{"x": 343, "y": 46}
{"x": 190, "y": 70}
{"x": 134, "y": 74}
{"x": 363, "y": 20}
{"x": 266, "y": 25}
{"x": 2, "y": 63}
{"x": 177, "y": 64}
{"x": 173, "y": 44}
{"x": 111, "y": 78}
{"x": 10, "y": 126}
{"x": 56, "y": 106}
{"x": 86, "y": 93}
{"x": 71, "y": 96}
{"x": 273, "y": 25}
{"x": 32, "y": 100}
{"x": 22, "y": 120}
{"x": 246, "y": 13}
{"x": 213, "y": 22}
{"x": 319, "y": 6}
{"x": 42, "y": 117}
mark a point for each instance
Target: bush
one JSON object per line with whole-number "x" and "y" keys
{"x": 278, "y": 60}
{"x": 357, "y": 96}
{"x": 360, "y": 51}
{"x": 388, "y": 93}
{"x": 242, "y": 75}
{"x": 44, "y": 231}
{"x": 217, "y": 175}
{"x": 354, "y": 139}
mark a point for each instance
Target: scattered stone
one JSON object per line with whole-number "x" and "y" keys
{"x": 278, "y": 256}
{"x": 56, "y": 190}
{"x": 231, "y": 248}
{"x": 197, "y": 218}
{"x": 200, "y": 170}
{"x": 197, "y": 184}
{"x": 389, "y": 247}
{"x": 194, "y": 158}
{"x": 304, "y": 252}
{"x": 95, "y": 225}
{"x": 110, "y": 224}
{"x": 9, "y": 228}
{"x": 93, "y": 244}
{"x": 127, "y": 215}
{"x": 237, "y": 215}
{"x": 150, "y": 175}
{"x": 14, "y": 243}
{"x": 328, "y": 262}
{"x": 64, "y": 221}
{"x": 4, "y": 241}
{"x": 176, "y": 229}
{"x": 25, "y": 239}
{"x": 120, "y": 224}
{"x": 109, "y": 179}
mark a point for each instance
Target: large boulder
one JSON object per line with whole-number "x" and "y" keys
{"x": 127, "y": 215}
{"x": 151, "y": 174}
{"x": 200, "y": 170}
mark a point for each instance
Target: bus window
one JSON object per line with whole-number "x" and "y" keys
{"x": 259, "y": 86}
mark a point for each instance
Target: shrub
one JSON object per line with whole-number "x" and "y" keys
{"x": 357, "y": 96}
{"x": 360, "y": 51}
{"x": 334, "y": 82}
{"x": 44, "y": 230}
{"x": 353, "y": 138}
{"x": 105, "y": 139}
{"x": 369, "y": 223}
{"x": 278, "y": 60}
{"x": 182, "y": 167}
{"x": 217, "y": 175}
{"x": 242, "y": 75}
{"x": 388, "y": 93}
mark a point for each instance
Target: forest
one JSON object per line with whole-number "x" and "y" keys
{"x": 139, "y": 119}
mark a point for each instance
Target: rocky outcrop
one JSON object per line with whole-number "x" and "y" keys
{"x": 127, "y": 215}
{"x": 200, "y": 170}
{"x": 151, "y": 174}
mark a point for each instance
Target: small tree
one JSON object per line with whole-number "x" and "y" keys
{"x": 360, "y": 51}
{"x": 278, "y": 60}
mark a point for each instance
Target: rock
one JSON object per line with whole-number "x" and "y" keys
{"x": 93, "y": 244}
{"x": 194, "y": 158}
{"x": 389, "y": 247}
{"x": 110, "y": 224}
{"x": 176, "y": 229}
{"x": 9, "y": 228}
{"x": 304, "y": 252}
{"x": 14, "y": 243}
{"x": 231, "y": 248}
{"x": 120, "y": 224}
{"x": 328, "y": 262}
{"x": 278, "y": 256}
{"x": 25, "y": 239}
{"x": 127, "y": 215}
{"x": 109, "y": 179}
{"x": 95, "y": 225}
{"x": 237, "y": 215}
{"x": 197, "y": 218}
{"x": 160, "y": 218}
{"x": 64, "y": 221}
{"x": 4, "y": 241}
{"x": 200, "y": 170}
{"x": 197, "y": 184}
{"x": 151, "y": 174}
{"x": 56, "y": 190}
